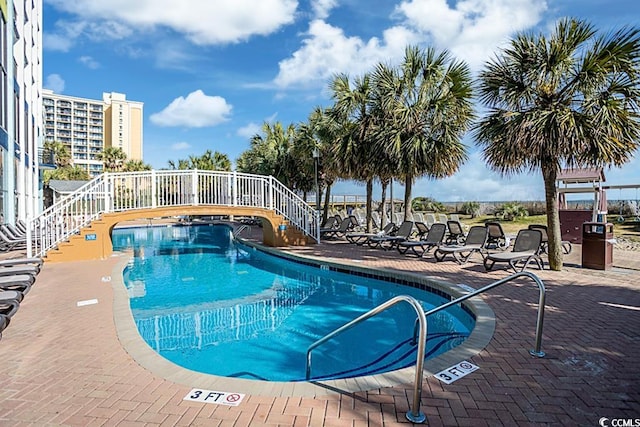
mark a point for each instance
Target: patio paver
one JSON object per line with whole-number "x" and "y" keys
{"x": 64, "y": 365}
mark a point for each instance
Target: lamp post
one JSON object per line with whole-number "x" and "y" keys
{"x": 316, "y": 157}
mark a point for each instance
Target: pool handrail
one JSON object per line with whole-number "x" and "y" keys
{"x": 414, "y": 415}
{"x": 420, "y": 329}
{"x": 541, "y": 301}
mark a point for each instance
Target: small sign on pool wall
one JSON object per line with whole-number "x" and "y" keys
{"x": 91, "y": 236}
{"x": 217, "y": 397}
{"x": 456, "y": 372}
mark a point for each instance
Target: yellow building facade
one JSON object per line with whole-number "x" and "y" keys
{"x": 88, "y": 126}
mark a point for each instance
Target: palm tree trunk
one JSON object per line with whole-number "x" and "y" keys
{"x": 549, "y": 175}
{"x": 383, "y": 204}
{"x": 369, "y": 203}
{"x": 408, "y": 183}
{"x": 327, "y": 202}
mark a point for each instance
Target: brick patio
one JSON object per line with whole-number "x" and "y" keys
{"x": 65, "y": 365}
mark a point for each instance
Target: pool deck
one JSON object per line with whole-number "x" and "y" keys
{"x": 61, "y": 364}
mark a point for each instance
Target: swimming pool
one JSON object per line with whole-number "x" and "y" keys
{"x": 208, "y": 304}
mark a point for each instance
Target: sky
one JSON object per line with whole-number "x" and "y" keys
{"x": 210, "y": 73}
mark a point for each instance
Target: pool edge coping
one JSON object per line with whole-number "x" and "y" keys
{"x": 145, "y": 356}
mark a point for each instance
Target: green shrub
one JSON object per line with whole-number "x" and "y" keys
{"x": 427, "y": 204}
{"x": 512, "y": 210}
{"x": 471, "y": 208}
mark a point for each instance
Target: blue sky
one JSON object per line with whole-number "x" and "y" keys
{"x": 211, "y": 72}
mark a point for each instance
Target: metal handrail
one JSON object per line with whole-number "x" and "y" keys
{"x": 535, "y": 352}
{"x": 414, "y": 415}
{"x": 420, "y": 332}
{"x": 240, "y": 229}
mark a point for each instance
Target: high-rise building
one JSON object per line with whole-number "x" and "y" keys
{"x": 20, "y": 108}
{"x": 88, "y": 126}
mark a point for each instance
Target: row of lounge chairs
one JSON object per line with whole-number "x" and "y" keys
{"x": 427, "y": 218}
{"x": 13, "y": 237}
{"x": 17, "y": 276}
{"x": 417, "y": 239}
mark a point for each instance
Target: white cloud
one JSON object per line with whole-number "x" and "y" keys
{"x": 327, "y": 51}
{"x": 321, "y": 8}
{"x": 249, "y": 130}
{"x": 89, "y": 62}
{"x": 179, "y": 146}
{"x": 196, "y": 110}
{"x": 55, "y": 82}
{"x": 202, "y": 22}
{"x": 471, "y": 29}
{"x": 64, "y": 36}
{"x": 475, "y": 182}
{"x": 174, "y": 55}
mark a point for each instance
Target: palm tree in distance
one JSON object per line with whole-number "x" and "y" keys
{"x": 424, "y": 107}
{"x": 112, "y": 158}
{"x": 61, "y": 155}
{"x": 213, "y": 161}
{"x": 319, "y": 133}
{"x": 135, "y": 166}
{"x": 569, "y": 100}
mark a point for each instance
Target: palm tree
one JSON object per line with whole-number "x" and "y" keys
{"x": 66, "y": 173}
{"x": 61, "y": 155}
{"x": 319, "y": 133}
{"x": 181, "y": 165}
{"x": 135, "y": 165}
{"x": 570, "y": 100}
{"x": 221, "y": 162}
{"x": 271, "y": 153}
{"x": 352, "y": 110}
{"x": 213, "y": 161}
{"x": 112, "y": 158}
{"x": 424, "y": 107}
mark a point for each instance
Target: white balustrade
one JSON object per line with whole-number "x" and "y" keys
{"x": 123, "y": 191}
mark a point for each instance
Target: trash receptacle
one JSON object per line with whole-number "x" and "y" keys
{"x": 597, "y": 245}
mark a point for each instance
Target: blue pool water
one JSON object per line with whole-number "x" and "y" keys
{"x": 212, "y": 305}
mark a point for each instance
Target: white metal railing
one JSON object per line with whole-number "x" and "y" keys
{"x": 122, "y": 191}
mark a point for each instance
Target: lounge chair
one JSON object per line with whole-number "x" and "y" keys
{"x": 10, "y": 302}
{"x": 12, "y": 262}
{"x": 496, "y": 239}
{"x": 566, "y": 245}
{"x": 8, "y": 244}
{"x": 430, "y": 219}
{"x": 21, "y": 283}
{"x": 11, "y": 232}
{"x": 362, "y": 238}
{"x": 419, "y": 247}
{"x": 474, "y": 243}
{"x": 526, "y": 248}
{"x": 346, "y": 225}
{"x": 389, "y": 242}
{"x": 417, "y": 217}
{"x": 19, "y": 269}
{"x": 398, "y": 217}
{"x": 4, "y": 322}
{"x": 330, "y": 223}
{"x": 456, "y": 233}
